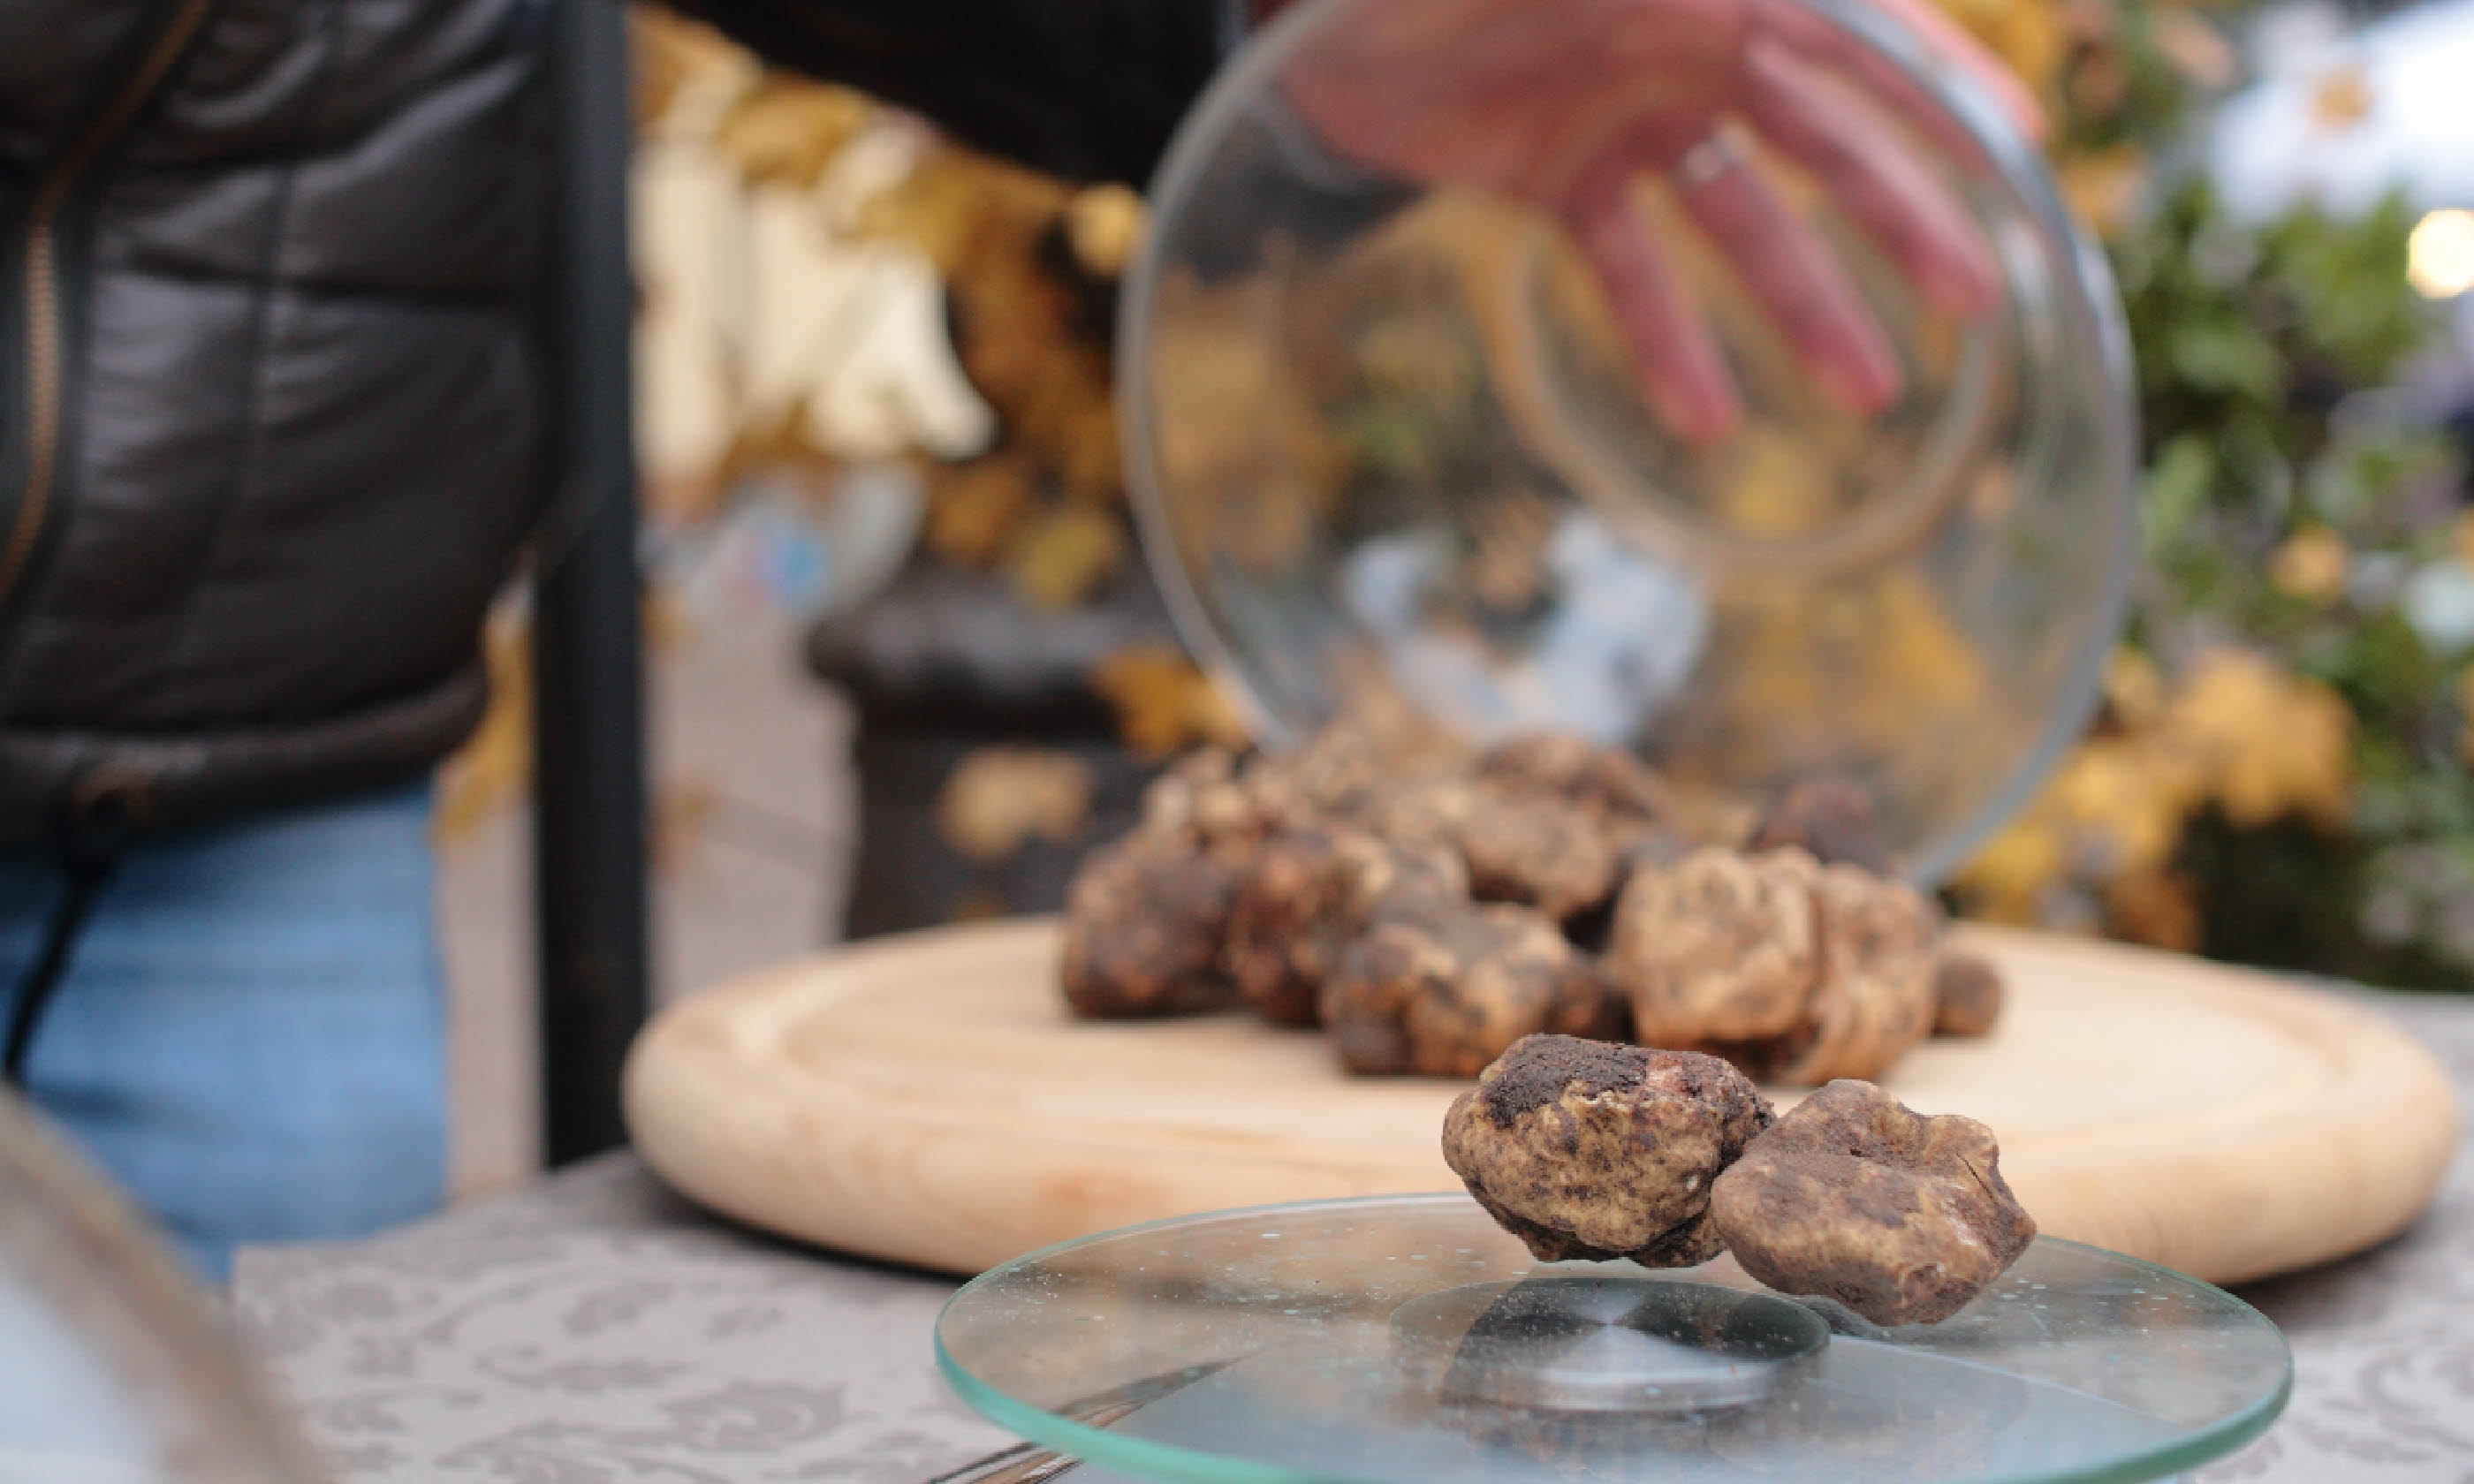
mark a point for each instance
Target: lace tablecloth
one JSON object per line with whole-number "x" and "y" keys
{"x": 594, "y": 1330}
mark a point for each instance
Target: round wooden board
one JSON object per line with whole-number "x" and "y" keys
{"x": 925, "y": 1099}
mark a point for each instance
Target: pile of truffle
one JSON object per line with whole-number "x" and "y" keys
{"x": 1585, "y": 1150}
{"x": 1430, "y": 908}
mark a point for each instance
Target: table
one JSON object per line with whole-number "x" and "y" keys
{"x": 594, "y": 1330}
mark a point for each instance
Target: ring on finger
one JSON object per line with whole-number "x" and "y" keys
{"x": 1704, "y": 162}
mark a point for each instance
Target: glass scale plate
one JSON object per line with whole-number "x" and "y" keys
{"x": 1409, "y": 1340}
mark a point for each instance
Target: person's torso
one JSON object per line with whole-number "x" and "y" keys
{"x": 267, "y": 384}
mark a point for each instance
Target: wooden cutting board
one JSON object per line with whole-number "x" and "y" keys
{"x": 925, "y": 1099}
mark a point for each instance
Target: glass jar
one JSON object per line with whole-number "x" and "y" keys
{"x": 1723, "y": 379}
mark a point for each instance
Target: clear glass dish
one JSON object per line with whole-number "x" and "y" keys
{"x": 1409, "y": 1340}
{"x": 1393, "y": 444}
{"x": 114, "y": 1369}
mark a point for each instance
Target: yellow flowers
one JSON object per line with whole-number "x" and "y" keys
{"x": 1046, "y": 506}
{"x": 2103, "y": 186}
{"x": 2134, "y": 689}
{"x": 2265, "y": 743}
{"x": 2123, "y": 801}
{"x": 2312, "y": 563}
{"x": 998, "y": 797}
{"x": 495, "y": 765}
{"x": 2159, "y": 908}
{"x": 2341, "y": 99}
{"x": 2028, "y": 35}
{"x": 2089, "y": 62}
{"x": 1164, "y": 703}
{"x": 2010, "y": 878}
{"x": 2237, "y": 733}
{"x": 1102, "y": 224}
{"x": 787, "y": 132}
{"x": 1062, "y": 555}
{"x": 974, "y": 509}
{"x": 681, "y": 64}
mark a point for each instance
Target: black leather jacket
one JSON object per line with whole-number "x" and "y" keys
{"x": 270, "y": 400}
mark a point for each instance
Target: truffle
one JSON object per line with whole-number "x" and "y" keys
{"x": 1852, "y": 1197}
{"x": 1197, "y": 796}
{"x": 1420, "y": 811}
{"x": 1653, "y": 847}
{"x": 1443, "y": 996}
{"x": 1831, "y": 819}
{"x": 1561, "y": 851}
{"x": 1144, "y": 921}
{"x": 1309, "y": 894}
{"x": 1877, "y": 940}
{"x": 1604, "y": 779}
{"x": 1719, "y": 947}
{"x": 1594, "y": 1010}
{"x": 1585, "y": 1150}
{"x": 1534, "y": 850}
{"x": 1967, "y": 995}
{"x": 1538, "y": 849}
{"x": 1341, "y": 767}
{"x": 1211, "y": 798}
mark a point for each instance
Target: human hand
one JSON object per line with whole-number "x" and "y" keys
{"x": 1570, "y": 105}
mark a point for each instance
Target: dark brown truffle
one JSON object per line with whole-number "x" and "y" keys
{"x": 1311, "y": 893}
{"x": 1420, "y": 811}
{"x": 1443, "y": 996}
{"x": 1538, "y": 851}
{"x": 1852, "y": 1197}
{"x": 1596, "y": 1010}
{"x": 1653, "y": 847}
{"x": 1967, "y": 995}
{"x": 1196, "y": 798}
{"x": 1583, "y": 1149}
{"x": 1144, "y": 920}
{"x": 1330, "y": 779}
{"x": 1603, "y": 778}
{"x": 1211, "y": 798}
{"x": 1535, "y": 850}
{"x": 1831, "y": 819}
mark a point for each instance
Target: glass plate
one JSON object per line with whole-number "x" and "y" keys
{"x": 1409, "y": 1340}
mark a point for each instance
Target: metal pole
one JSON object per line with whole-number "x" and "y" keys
{"x": 589, "y": 740}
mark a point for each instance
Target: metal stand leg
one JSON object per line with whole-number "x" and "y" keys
{"x": 589, "y": 778}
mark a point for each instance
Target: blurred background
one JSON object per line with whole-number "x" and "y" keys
{"x": 906, "y": 663}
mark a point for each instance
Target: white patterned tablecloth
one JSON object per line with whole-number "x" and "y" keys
{"x": 595, "y": 1330}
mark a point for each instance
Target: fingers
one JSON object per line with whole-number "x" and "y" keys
{"x": 1952, "y": 44}
{"x": 1674, "y": 358}
{"x": 1875, "y": 175}
{"x": 1791, "y": 271}
{"x": 1819, "y": 39}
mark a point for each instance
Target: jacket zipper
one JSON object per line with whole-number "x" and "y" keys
{"x": 46, "y": 332}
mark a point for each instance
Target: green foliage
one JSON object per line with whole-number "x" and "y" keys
{"x": 2250, "y": 340}
{"x": 2119, "y": 91}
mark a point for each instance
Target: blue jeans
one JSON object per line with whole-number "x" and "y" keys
{"x": 251, "y": 1036}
